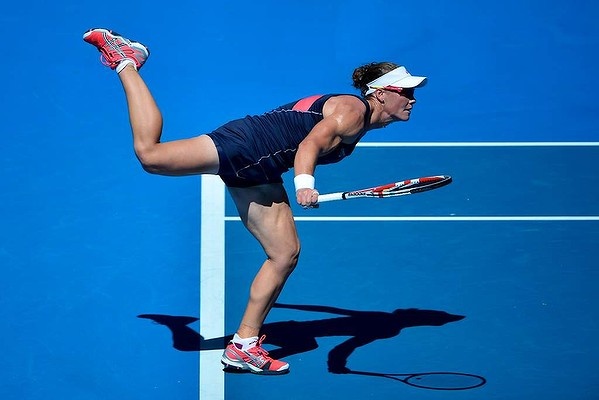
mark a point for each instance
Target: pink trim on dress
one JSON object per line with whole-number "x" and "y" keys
{"x": 305, "y": 103}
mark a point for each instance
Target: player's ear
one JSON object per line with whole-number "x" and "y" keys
{"x": 379, "y": 94}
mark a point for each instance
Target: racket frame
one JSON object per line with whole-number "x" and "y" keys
{"x": 401, "y": 188}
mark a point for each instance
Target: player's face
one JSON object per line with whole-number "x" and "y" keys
{"x": 400, "y": 102}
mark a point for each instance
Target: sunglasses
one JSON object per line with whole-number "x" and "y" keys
{"x": 406, "y": 92}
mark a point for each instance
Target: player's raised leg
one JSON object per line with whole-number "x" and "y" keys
{"x": 196, "y": 155}
{"x": 181, "y": 157}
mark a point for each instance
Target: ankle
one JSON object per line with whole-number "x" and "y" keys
{"x": 125, "y": 64}
{"x": 247, "y": 331}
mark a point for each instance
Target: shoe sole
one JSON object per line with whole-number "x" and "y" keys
{"x": 247, "y": 367}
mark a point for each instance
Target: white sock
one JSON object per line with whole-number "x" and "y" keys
{"x": 245, "y": 342}
{"x": 123, "y": 64}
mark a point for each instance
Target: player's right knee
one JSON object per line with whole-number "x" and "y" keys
{"x": 288, "y": 259}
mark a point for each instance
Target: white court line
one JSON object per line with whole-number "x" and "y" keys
{"x": 477, "y": 144}
{"x": 442, "y": 218}
{"x": 212, "y": 285}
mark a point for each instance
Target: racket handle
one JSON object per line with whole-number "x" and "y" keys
{"x": 330, "y": 197}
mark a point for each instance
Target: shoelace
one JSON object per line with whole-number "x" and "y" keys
{"x": 258, "y": 348}
{"x": 111, "y": 47}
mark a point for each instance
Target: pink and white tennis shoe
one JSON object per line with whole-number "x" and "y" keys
{"x": 254, "y": 359}
{"x": 117, "y": 51}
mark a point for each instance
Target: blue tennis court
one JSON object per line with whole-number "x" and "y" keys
{"x": 122, "y": 285}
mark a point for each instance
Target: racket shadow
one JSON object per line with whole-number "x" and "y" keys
{"x": 295, "y": 337}
{"x": 432, "y": 380}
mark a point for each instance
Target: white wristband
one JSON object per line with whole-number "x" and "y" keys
{"x": 303, "y": 181}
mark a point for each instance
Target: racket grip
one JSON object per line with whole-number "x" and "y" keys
{"x": 330, "y": 197}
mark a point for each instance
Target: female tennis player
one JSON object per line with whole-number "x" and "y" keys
{"x": 251, "y": 154}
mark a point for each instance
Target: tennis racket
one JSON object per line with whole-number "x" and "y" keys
{"x": 402, "y": 188}
{"x": 433, "y": 380}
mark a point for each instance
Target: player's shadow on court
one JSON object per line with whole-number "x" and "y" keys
{"x": 294, "y": 337}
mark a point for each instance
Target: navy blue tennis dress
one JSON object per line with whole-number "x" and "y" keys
{"x": 258, "y": 149}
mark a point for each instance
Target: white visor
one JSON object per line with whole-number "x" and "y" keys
{"x": 399, "y": 77}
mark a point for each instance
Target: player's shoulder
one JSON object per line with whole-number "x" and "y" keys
{"x": 344, "y": 104}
